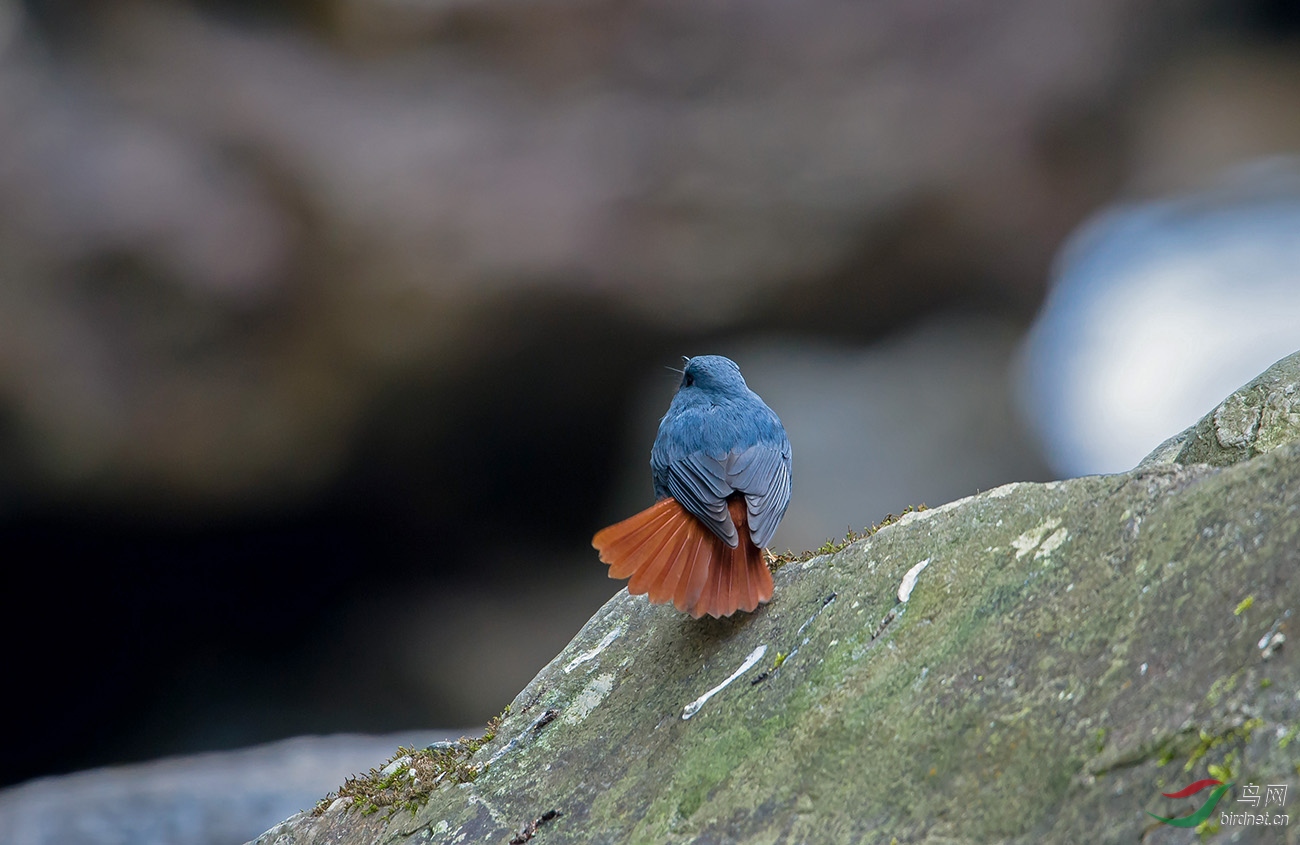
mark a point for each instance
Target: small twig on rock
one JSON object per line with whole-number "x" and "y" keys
{"x": 544, "y": 720}
{"x": 529, "y": 830}
{"x": 884, "y": 623}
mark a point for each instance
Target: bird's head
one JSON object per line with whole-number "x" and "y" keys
{"x": 712, "y": 374}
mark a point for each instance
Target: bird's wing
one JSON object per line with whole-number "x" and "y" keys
{"x": 699, "y": 483}
{"x": 702, "y": 483}
{"x": 762, "y": 473}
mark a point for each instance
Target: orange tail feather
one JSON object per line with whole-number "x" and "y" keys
{"x": 670, "y": 556}
{"x": 634, "y": 541}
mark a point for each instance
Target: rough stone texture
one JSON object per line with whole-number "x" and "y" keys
{"x": 1255, "y": 419}
{"x": 1069, "y": 651}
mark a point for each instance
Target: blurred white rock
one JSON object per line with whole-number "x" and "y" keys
{"x": 1159, "y": 310}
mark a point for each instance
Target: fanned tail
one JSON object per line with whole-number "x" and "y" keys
{"x": 670, "y": 556}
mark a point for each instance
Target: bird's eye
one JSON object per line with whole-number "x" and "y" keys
{"x": 688, "y": 379}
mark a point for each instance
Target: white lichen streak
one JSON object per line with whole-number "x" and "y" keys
{"x": 909, "y": 580}
{"x": 589, "y": 699}
{"x": 694, "y": 707}
{"x": 816, "y": 613}
{"x": 595, "y": 652}
{"x": 1052, "y": 543}
{"x": 1027, "y": 542}
{"x": 825, "y": 604}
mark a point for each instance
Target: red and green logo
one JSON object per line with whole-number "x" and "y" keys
{"x": 1204, "y": 812}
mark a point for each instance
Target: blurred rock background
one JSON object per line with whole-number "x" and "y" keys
{"x": 1157, "y": 308}
{"x": 329, "y": 332}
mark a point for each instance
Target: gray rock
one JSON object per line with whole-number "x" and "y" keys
{"x": 1067, "y": 652}
{"x": 1256, "y": 419}
{"x": 220, "y": 798}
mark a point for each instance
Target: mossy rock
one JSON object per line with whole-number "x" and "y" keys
{"x": 1069, "y": 651}
{"x": 1255, "y": 419}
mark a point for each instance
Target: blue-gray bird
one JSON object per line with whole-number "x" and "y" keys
{"x": 721, "y": 465}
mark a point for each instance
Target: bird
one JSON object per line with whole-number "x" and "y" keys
{"x": 721, "y": 468}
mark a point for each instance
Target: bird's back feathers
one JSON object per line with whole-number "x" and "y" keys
{"x": 719, "y": 438}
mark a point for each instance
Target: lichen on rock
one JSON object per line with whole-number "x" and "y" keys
{"x": 1255, "y": 419}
